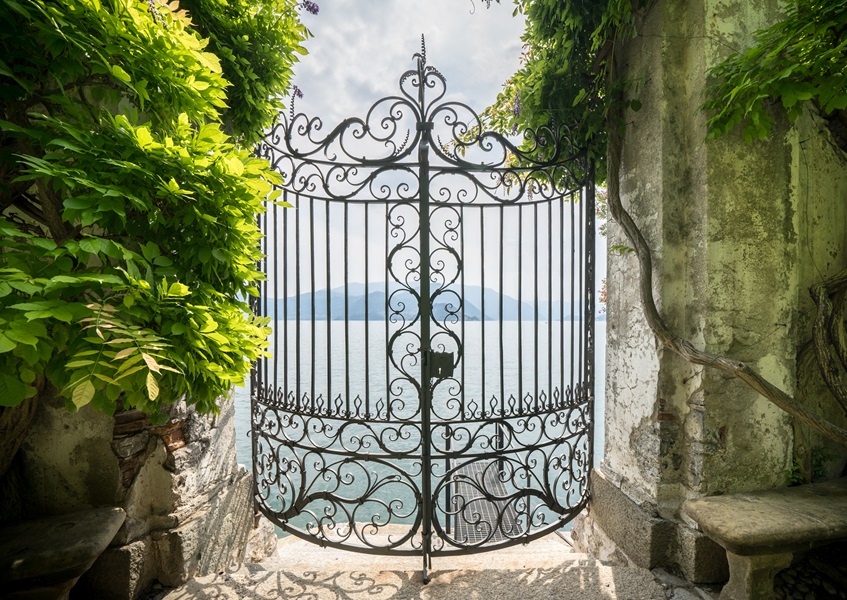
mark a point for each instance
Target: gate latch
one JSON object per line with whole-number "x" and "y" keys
{"x": 441, "y": 364}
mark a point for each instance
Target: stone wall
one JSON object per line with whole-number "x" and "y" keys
{"x": 738, "y": 233}
{"x": 188, "y": 504}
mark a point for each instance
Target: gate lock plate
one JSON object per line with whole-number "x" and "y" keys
{"x": 441, "y": 364}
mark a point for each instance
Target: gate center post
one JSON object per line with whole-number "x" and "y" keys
{"x": 424, "y": 307}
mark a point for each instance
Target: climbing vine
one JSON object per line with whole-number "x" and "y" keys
{"x": 569, "y": 75}
{"x": 563, "y": 78}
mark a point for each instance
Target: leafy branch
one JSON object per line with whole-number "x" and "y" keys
{"x": 569, "y": 75}
{"x": 129, "y": 195}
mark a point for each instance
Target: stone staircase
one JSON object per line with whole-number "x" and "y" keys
{"x": 546, "y": 569}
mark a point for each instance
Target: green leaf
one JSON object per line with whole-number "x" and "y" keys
{"x": 150, "y": 362}
{"x": 119, "y": 73}
{"x": 124, "y": 353}
{"x": 91, "y": 244}
{"x": 6, "y": 344}
{"x": 83, "y": 393}
{"x": 178, "y": 289}
{"x": 12, "y": 390}
{"x": 27, "y": 375}
{"x": 143, "y": 136}
{"x": 22, "y": 336}
{"x": 152, "y": 387}
{"x": 26, "y": 288}
{"x": 78, "y": 363}
{"x": 150, "y": 251}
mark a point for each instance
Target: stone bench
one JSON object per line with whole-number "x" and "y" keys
{"x": 761, "y": 531}
{"x": 43, "y": 558}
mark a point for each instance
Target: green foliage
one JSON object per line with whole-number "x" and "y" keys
{"x": 564, "y": 78}
{"x": 819, "y": 460}
{"x": 803, "y": 57}
{"x": 565, "y": 75}
{"x": 128, "y": 239}
{"x": 794, "y": 475}
{"x": 247, "y": 36}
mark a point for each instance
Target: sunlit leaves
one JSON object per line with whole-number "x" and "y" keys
{"x": 129, "y": 287}
{"x": 801, "y": 58}
{"x": 258, "y": 42}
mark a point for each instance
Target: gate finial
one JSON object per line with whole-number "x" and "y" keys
{"x": 423, "y": 49}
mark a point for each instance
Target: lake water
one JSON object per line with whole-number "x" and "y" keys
{"x": 357, "y": 366}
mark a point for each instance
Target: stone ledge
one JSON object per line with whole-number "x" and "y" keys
{"x": 774, "y": 521}
{"x": 761, "y": 531}
{"x": 53, "y": 552}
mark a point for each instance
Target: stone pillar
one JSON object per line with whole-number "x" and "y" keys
{"x": 725, "y": 222}
{"x": 188, "y": 504}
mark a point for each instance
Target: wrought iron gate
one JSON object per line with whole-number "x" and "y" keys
{"x": 431, "y": 293}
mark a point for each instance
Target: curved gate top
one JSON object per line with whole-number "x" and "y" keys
{"x": 431, "y": 293}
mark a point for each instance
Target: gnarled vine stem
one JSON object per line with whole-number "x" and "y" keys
{"x": 826, "y": 328}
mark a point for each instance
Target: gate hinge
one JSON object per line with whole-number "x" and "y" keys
{"x": 441, "y": 364}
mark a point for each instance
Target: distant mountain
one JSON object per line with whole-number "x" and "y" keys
{"x": 357, "y": 306}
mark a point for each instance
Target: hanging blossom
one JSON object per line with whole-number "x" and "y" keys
{"x": 296, "y": 92}
{"x": 311, "y": 7}
{"x": 154, "y": 12}
{"x": 516, "y": 112}
{"x": 603, "y": 298}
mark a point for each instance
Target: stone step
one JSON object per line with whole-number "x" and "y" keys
{"x": 546, "y": 569}
{"x": 548, "y": 552}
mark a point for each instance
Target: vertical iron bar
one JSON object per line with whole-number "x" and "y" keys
{"x": 367, "y": 324}
{"x": 346, "y": 312}
{"x": 424, "y": 307}
{"x": 464, "y": 304}
{"x": 298, "y": 342}
{"x": 581, "y": 287}
{"x": 265, "y": 295}
{"x": 562, "y": 389}
{"x": 387, "y": 311}
{"x": 573, "y": 277}
{"x": 502, "y": 291}
{"x": 312, "y": 269}
{"x": 483, "y": 397}
{"x": 520, "y": 309}
{"x": 273, "y": 324}
{"x": 328, "y": 314}
{"x": 285, "y": 268}
{"x": 448, "y": 488}
{"x": 550, "y": 304}
{"x": 536, "y": 302}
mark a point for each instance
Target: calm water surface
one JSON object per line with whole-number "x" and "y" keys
{"x": 353, "y": 353}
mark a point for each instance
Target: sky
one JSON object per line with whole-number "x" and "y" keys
{"x": 361, "y": 47}
{"x": 359, "y": 51}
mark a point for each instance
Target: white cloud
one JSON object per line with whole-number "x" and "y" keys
{"x": 361, "y": 48}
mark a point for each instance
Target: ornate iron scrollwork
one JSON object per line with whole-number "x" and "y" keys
{"x": 425, "y": 449}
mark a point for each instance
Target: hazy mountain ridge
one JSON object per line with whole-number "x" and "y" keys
{"x": 373, "y": 306}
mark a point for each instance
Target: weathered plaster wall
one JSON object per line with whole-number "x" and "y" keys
{"x": 188, "y": 504}
{"x": 735, "y": 246}
{"x": 819, "y": 183}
